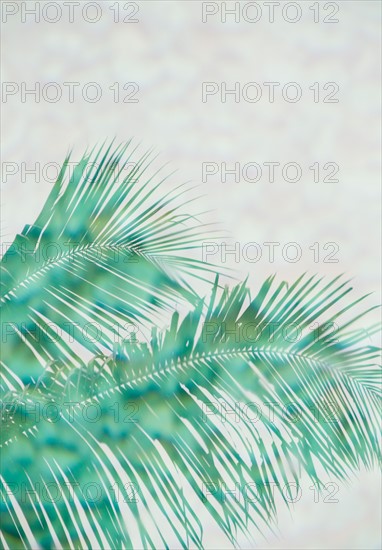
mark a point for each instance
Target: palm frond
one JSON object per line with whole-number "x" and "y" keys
{"x": 178, "y": 422}
{"x": 103, "y": 253}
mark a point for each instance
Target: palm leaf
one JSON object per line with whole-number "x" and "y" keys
{"x": 102, "y": 254}
{"x": 192, "y": 389}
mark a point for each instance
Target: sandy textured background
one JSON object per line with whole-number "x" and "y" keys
{"x": 169, "y": 53}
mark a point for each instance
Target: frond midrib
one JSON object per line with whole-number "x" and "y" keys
{"x": 188, "y": 362}
{"x": 48, "y": 265}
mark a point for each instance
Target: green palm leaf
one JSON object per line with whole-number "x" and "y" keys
{"x": 185, "y": 430}
{"x": 102, "y": 254}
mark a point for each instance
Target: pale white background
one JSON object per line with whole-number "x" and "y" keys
{"x": 169, "y": 53}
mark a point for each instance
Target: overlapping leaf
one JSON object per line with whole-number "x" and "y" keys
{"x": 178, "y": 421}
{"x": 102, "y": 254}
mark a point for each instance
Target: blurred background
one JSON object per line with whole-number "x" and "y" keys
{"x": 108, "y": 70}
